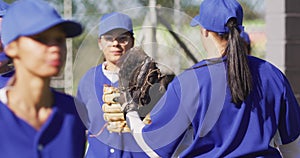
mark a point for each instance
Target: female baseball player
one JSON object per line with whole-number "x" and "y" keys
{"x": 238, "y": 105}
{"x": 115, "y": 38}
{"x": 35, "y": 120}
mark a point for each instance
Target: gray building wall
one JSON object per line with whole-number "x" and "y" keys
{"x": 283, "y": 39}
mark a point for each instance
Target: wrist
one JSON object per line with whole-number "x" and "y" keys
{"x": 129, "y": 107}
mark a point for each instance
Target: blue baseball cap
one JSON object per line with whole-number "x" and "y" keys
{"x": 30, "y": 17}
{"x": 115, "y": 20}
{"x": 214, "y": 14}
{"x": 3, "y": 7}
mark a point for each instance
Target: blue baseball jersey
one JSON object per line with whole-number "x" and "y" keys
{"x": 63, "y": 134}
{"x": 104, "y": 144}
{"x": 201, "y": 98}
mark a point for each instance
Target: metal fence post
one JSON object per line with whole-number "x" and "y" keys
{"x": 68, "y": 72}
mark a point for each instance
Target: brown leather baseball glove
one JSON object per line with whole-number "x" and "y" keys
{"x": 141, "y": 82}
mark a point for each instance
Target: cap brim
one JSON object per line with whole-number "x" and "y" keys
{"x": 71, "y": 28}
{"x": 195, "y": 21}
{"x": 114, "y": 28}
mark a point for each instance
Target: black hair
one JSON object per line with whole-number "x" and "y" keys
{"x": 239, "y": 77}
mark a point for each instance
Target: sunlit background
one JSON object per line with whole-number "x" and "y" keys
{"x": 160, "y": 26}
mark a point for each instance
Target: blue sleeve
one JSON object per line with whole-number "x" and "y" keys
{"x": 169, "y": 122}
{"x": 289, "y": 119}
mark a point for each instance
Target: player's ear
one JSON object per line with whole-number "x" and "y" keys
{"x": 204, "y": 32}
{"x": 11, "y": 49}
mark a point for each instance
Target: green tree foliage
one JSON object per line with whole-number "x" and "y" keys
{"x": 88, "y": 12}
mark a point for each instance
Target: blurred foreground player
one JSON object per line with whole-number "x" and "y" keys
{"x": 35, "y": 120}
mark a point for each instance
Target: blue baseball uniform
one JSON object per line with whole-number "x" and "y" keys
{"x": 201, "y": 98}
{"x": 104, "y": 144}
{"x": 63, "y": 135}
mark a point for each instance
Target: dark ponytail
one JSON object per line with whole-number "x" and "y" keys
{"x": 238, "y": 72}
